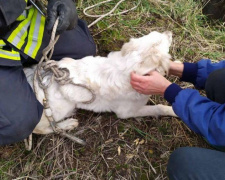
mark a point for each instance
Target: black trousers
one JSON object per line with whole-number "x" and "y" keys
{"x": 20, "y": 111}
{"x": 193, "y": 163}
{"x": 215, "y": 86}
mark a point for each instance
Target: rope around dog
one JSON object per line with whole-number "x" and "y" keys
{"x": 60, "y": 75}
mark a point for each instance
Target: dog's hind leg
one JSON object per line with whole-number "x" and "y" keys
{"x": 155, "y": 111}
{"x": 67, "y": 124}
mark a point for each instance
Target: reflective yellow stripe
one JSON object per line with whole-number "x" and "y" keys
{"x": 35, "y": 35}
{"x": 22, "y": 40}
{"x": 17, "y": 36}
{"x": 29, "y": 33}
{"x": 23, "y": 15}
{"x": 2, "y": 43}
{"x": 12, "y": 55}
{"x": 40, "y": 37}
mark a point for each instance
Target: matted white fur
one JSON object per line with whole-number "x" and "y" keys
{"x": 109, "y": 77}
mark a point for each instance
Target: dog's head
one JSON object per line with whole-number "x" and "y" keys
{"x": 153, "y": 50}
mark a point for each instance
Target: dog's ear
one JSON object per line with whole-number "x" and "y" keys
{"x": 129, "y": 47}
{"x": 153, "y": 60}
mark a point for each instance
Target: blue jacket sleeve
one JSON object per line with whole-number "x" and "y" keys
{"x": 200, "y": 114}
{"x": 197, "y": 73}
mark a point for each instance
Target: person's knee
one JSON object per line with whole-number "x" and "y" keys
{"x": 196, "y": 163}
{"x": 215, "y": 75}
{"x": 30, "y": 118}
{"x": 22, "y": 124}
{"x": 215, "y": 86}
{"x": 179, "y": 163}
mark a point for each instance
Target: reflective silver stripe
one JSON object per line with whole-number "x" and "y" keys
{"x": 9, "y": 53}
{"x": 22, "y": 16}
{"x": 19, "y": 34}
{"x": 34, "y": 35}
{"x": 24, "y": 13}
{"x": 17, "y": 39}
{"x": 33, "y": 38}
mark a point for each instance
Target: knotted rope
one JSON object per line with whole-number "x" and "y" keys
{"x": 47, "y": 67}
{"x": 60, "y": 75}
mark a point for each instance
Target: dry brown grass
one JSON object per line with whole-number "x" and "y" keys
{"x": 123, "y": 149}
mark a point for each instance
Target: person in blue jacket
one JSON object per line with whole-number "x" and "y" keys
{"x": 203, "y": 115}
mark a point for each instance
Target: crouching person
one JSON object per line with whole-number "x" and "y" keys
{"x": 203, "y": 115}
{"x": 24, "y": 33}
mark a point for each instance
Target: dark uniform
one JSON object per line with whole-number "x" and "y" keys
{"x": 19, "y": 109}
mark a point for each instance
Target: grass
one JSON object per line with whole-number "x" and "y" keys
{"x": 136, "y": 148}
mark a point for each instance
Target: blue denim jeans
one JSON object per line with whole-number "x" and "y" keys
{"x": 193, "y": 163}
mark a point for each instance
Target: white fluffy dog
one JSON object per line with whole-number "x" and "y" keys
{"x": 109, "y": 78}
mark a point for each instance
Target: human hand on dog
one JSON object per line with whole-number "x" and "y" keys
{"x": 151, "y": 84}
